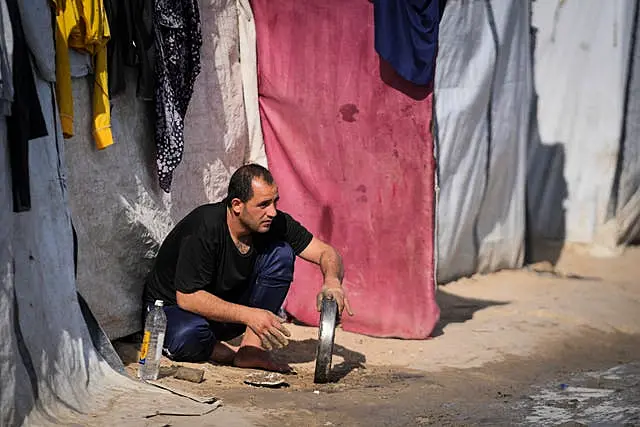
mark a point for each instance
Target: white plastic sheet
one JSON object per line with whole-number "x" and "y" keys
{"x": 581, "y": 51}
{"x": 249, "y": 69}
{"x": 483, "y": 94}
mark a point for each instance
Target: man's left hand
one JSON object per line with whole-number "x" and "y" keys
{"x": 336, "y": 293}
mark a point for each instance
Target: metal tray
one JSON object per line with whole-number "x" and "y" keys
{"x": 328, "y": 319}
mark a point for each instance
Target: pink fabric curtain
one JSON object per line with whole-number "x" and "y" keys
{"x": 351, "y": 148}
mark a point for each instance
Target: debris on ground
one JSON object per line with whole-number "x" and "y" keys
{"x": 189, "y": 374}
{"x": 265, "y": 379}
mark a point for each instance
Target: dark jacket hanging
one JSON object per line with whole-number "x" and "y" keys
{"x": 178, "y": 42}
{"x": 26, "y": 121}
{"x": 131, "y": 44}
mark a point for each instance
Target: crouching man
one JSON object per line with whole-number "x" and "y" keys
{"x": 225, "y": 270}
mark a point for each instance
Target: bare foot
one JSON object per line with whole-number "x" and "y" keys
{"x": 223, "y": 353}
{"x": 255, "y": 357}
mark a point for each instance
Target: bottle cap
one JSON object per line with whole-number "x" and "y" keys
{"x": 159, "y": 303}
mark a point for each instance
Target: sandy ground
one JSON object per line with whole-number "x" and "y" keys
{"x": 501, "y": 337}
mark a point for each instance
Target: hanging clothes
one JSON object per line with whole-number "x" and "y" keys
{"x": 117, "y": 45}
{"x": 131, "y": 44}
{"x": 26, "y": 121}
{"x": 82, "y": 25}
{"x": 406, "y": 36}
{"x": 178, "y": 38}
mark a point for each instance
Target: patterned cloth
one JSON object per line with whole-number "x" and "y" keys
{"x": 178, "y": 41}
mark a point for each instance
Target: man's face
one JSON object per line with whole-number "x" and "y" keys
{"x": 258, "y": 212}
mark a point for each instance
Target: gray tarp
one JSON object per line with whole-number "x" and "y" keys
{"x": 50, "y": 373}
{"x": 483, "y": 92}
{"x": 119, "y": 212}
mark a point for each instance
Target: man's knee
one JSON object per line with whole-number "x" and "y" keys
{"x": 272, "y": 277}
{"x": 189, "y": 339}
{"x": 277, "y": 262}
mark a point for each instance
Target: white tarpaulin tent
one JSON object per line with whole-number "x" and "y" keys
{"x": 581, "y": 51}
{"x": 558, "y": 123}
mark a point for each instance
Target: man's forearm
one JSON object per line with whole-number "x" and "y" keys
{"x": 331, "y": 267}
{"x": 211, "y": 307}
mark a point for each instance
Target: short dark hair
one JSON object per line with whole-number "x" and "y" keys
{"x": 240, "y": 183}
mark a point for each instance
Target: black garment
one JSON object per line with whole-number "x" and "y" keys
{"x": 131, "y": 44}
{"x": 178, "y": 41}
{"x": 200, "y": 254}
{"x": 26, "y": 121}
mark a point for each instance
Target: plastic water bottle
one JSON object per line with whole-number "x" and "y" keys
{"x": 155, "y": 327}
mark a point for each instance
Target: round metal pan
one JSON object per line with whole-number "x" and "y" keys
{"x": 328, "y": 319}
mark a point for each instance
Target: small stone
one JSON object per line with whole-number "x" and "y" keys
{"x": 316, "y": 391}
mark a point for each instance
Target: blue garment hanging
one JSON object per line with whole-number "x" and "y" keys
{"x": 406, "y": 36}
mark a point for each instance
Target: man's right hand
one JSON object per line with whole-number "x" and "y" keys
{"x": 268, "y": 327}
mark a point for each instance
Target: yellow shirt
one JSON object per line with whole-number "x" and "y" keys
{"x": 82, "y": 25}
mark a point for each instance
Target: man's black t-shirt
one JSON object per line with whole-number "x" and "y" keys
{"x": 200, "y": 254}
